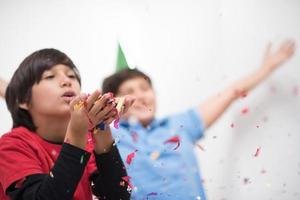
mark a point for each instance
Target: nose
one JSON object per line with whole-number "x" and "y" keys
{"x": 65, "y": 81}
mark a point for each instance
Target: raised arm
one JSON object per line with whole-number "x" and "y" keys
{"x": 213, "y": 108}
{"x": 3, "y": 85}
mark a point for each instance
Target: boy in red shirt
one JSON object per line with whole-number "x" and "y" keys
{"x": 51, "y": 153}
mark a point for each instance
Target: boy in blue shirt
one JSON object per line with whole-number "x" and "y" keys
{"x": 158, "y": 168}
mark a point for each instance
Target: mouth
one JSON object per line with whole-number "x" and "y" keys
{"x": 68, "y": 96}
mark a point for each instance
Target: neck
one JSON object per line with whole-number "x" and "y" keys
{"x": 52, "y": 129}
{"x": 146, "y": 123}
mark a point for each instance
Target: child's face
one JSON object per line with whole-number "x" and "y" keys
{"x": 52, "y": 95}
{"x": 144, "y": 106}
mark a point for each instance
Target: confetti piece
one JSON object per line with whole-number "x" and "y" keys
{"x": 116, "y": 123}
{"x": 200, "y": 147}
{"x": 78, "y": 105}
{"x": 51, "y": 174}
{"x": 273, "y": 89}
{"x": 127, "y": 180}
{"x": 263, "y": 171}
{"x": 257, "y": 152}
{"x": 265, "y": 118}
{"x": 134, "y": 136}
{"x": 122, "y": 183}
{"x": 154, "y": 155}
{"x": 244, "y": 111}
{"x": 151, "y": 194}
{"x": 120, "y": 104}
{"x": 130, "y": 157}
{"x": 174, "y": 139}
{"x": 81, "y": 159}
{"x": 117, "y": 140}
{"x": 232, "y": 125}
{"x": 101, "y": 126}
{"x": 246, "y": 181}
{"x": 295, "y": 91}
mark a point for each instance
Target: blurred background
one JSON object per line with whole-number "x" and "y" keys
{"x": 191, "y": 49}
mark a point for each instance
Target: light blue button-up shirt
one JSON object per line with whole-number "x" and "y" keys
{"x": 158, "y": 171}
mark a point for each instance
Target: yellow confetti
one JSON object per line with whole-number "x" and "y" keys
{"x": 154, "y": 155}
{"x": 78, "y": 105}
{"x": 120, "y": 104}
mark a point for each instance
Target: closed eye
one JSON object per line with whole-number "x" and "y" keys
{"x": 49, "y": 77}
{"x": 72, "y": 76}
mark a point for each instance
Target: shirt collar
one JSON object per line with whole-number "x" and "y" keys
{"x": 154, "y": 124}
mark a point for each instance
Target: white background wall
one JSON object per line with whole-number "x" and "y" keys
{"x": 191, "y": 49}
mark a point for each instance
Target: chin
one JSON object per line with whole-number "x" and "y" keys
{"x": 146, "y": 119}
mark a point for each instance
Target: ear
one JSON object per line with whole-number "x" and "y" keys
{"x": 24, "y": 106}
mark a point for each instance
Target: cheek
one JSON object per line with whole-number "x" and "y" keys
{"x": 77, "y": 87}
{"x": 151, "y": 98}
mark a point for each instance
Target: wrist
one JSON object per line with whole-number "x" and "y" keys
{"x": 103, "y": 140}
{"x": 78, "y": 140}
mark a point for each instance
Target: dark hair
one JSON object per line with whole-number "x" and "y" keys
{"x": 29, "y": 72}
{"x": 113, "y": 82}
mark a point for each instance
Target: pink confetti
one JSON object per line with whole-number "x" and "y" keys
{"x": 116, "y": 123}
{"x": 200, "y": 147}
{"x": 245, "y": 111}
{"x": 122, "y": 183}
{"x": 263, "y": 171}
{"x": 174, "y": 139}
{"x": 265, "y": 119}
{"x": 257, "y": 152}
{"x": 295, "y": 91}
{"x": 232, "y": 125}
{"x": 273, "y": 89}
{"x": 127, "y": 180}
{"x": 130, "y": 157}
{"x": 134, "y": 136}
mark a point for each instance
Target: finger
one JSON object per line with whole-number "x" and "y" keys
{"x": 101, "y": 103}
{"x": 112, "y": 114}
{"x": 107, "y": 112}
{"x": 109, "y": 118}
{"x": 109, "y": 121}
{"x": 289, "y": 47}
{"x": 129, "y": 100}
{"x": 92, "y": 98}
